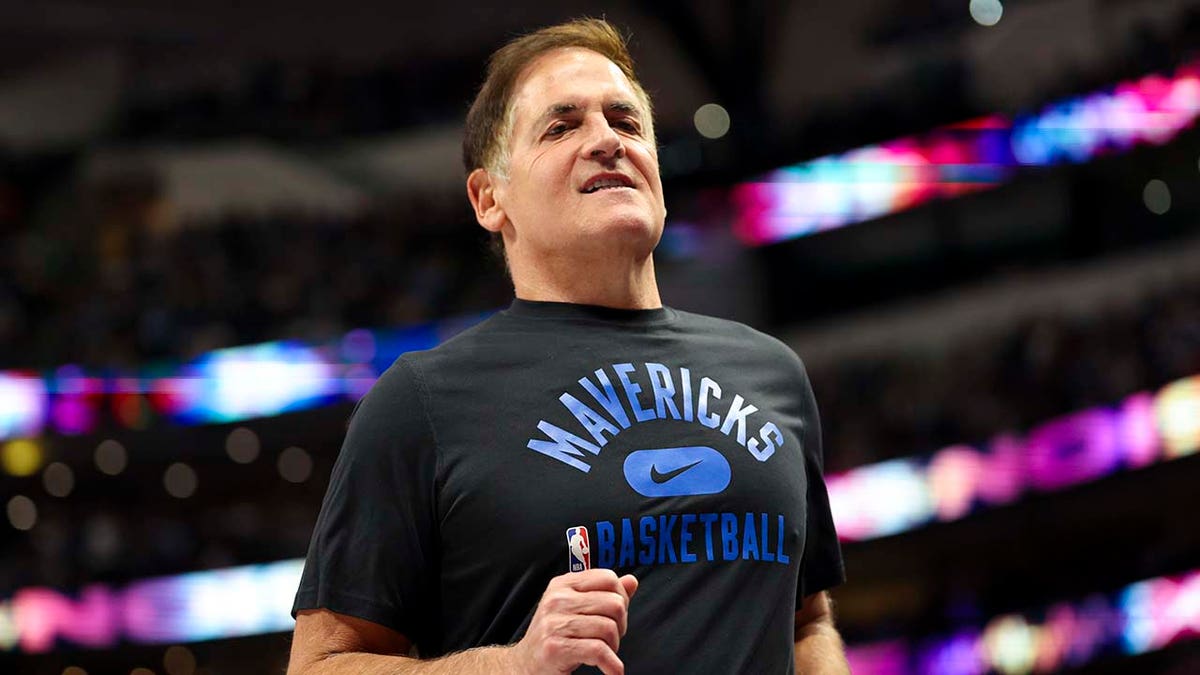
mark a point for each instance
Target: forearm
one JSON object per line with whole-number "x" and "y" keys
{"x": 819, "y": 651}
{"x": 480, "y": 660}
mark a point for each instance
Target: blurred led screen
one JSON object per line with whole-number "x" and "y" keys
{"x": 256, "y": 599}
{"x": 1144, "y": 617}
{"x": 873, "y": 181}
{"x": 186, "y": 608}
{"x": 272, "y": 378}
{"x": 898, "y": 495}
{"x": 226, "y": 385}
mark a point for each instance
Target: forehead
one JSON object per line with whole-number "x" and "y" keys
{"x": 570, "y": 75}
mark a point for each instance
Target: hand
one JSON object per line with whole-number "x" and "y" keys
{"x": 579, "y": 621}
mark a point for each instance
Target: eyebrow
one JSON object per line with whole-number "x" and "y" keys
{"x": 563, "y": 109}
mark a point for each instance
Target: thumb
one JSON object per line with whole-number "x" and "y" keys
{"x": 630, "y": 583}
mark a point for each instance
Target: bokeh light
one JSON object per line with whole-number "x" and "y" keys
{"x": 986, "y": 12}
{"x": 711, "y": 120}
{"x": 58, "y": 479}
{"x": 111, "y": 457}
{"x": 1157, "y": 197}
{"x": 242, "y": 445}
{"x": 180, "y": 480}
{"x": 22, "y": 512}
{"x": 179, "y": 660}
{"x": 295, "y": 465}
{"x": 22, "y": 457}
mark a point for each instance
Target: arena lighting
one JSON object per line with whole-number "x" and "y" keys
{"x": 897, "y": 495}
{"x": 947, "y": 485}
{"x": 1142, "y": 618}
{"x": 256, "y": 599}
{"x": 839, "y": 190}
{"x": 209, "y": 605}
{"x": 22, "y": 404}
{"x": 226, "y": 385}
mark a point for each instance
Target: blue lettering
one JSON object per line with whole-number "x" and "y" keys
{"x": 783, "y": 556}
{"x": 729, "y": 536}
{"x": 594, "y": 423}
{"x": 665, "y": 545}
{"x": 685, "y": 538}
{"x": 664, "y": 390}
{"x": 565, "y": 446}
{"x": 737, "y": 415}
{"x": 685, "y": 379}
{"x": 605, "y": 554}
{"x": 708, "y": 519}
{"x": 631, "y": 392}
{"x": 766, "y": 549}
{"x": 707, "y": 386}
{"x": 626, "y": 544}
{"x": 749, "y": 539}
{"x": 769, "y": 429}
{"x": 608, "y": 400}
{"x": 646, "y": 526}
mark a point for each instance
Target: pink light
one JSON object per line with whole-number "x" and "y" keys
{"x": 878, "y": 658}
{"x": 1137, "y": 432}
{"x": 953, "y": 479}
{"x": 43, "y": 615}
{"x": 1003, "y": 481}
{"x": 1071, "y": 450}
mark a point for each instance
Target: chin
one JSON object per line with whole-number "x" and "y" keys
{"x": 639, "y": 234}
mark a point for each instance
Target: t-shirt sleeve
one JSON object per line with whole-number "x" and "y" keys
{"x": 372, "y": 552}
{"x": 821, "y": 568}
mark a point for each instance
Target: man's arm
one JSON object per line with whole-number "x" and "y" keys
{"x": 579, "y": 621}
{"x": 819, "y": 649}
{"x": 327, "y": 643}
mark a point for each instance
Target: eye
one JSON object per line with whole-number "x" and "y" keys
{"x": 557, "y": 129}
{"x": 627, "y": 125}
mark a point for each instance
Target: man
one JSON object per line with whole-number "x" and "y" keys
{"x": 588, "y": 478}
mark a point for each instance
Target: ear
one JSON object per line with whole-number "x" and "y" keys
{"x": 481, "y": 190}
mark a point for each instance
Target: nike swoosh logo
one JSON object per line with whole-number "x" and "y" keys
{"x": 664, "y": 477}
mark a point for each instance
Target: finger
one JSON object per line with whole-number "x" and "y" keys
{"x": 593, "y": 603}
{"x": 597, "y": 653}
{"x": 588, "y": 626}
{"x": 599, "y": 579}
{"x": 630, "y": 584}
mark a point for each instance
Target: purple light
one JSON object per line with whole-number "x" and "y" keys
{"x": 1073, "y": 449}
{"x": 840, "y": 190}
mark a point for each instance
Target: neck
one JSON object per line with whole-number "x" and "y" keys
{"x": 606, "y": 281}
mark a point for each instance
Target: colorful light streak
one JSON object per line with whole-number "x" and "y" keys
{"x": 871, "y": 501}
{"x": 898, "y": 495}
{"x": 1141, "y": 618}
{"x": 225, "y": 385}
{"x": 232, "y": 602}
{"x": 256, "y": 599}
{"x": 839, "y": 190}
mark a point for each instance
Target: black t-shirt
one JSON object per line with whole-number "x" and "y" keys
{"x": 688, "y": 447}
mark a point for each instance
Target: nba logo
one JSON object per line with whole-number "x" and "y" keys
{"x": 579, "y": 552}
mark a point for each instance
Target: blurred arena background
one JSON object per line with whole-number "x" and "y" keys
{"x": 977, "y": 222}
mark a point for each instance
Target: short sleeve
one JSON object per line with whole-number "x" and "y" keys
{"x": 372, "y": 553}
{"x": 821, "y": 568}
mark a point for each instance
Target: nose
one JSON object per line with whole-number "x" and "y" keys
{"x": 603, "y": 143}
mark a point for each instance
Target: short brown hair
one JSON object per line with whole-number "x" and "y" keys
{"x": 489, "y": 121}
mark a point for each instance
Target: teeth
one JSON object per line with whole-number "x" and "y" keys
{"x": 606, "y": 183}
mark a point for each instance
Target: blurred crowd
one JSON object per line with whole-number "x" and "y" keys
{"x": 299, "y": 101}
{"x": 97, "y": 535}
{"x": 237, "y": 282}
{"x": 121, "y": 296}
{"x": 1042, "y": 367}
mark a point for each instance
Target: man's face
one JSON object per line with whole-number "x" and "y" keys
{"x": 583, "y": 170}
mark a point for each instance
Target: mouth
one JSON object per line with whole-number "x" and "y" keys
{"x": 606, "y": 181}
